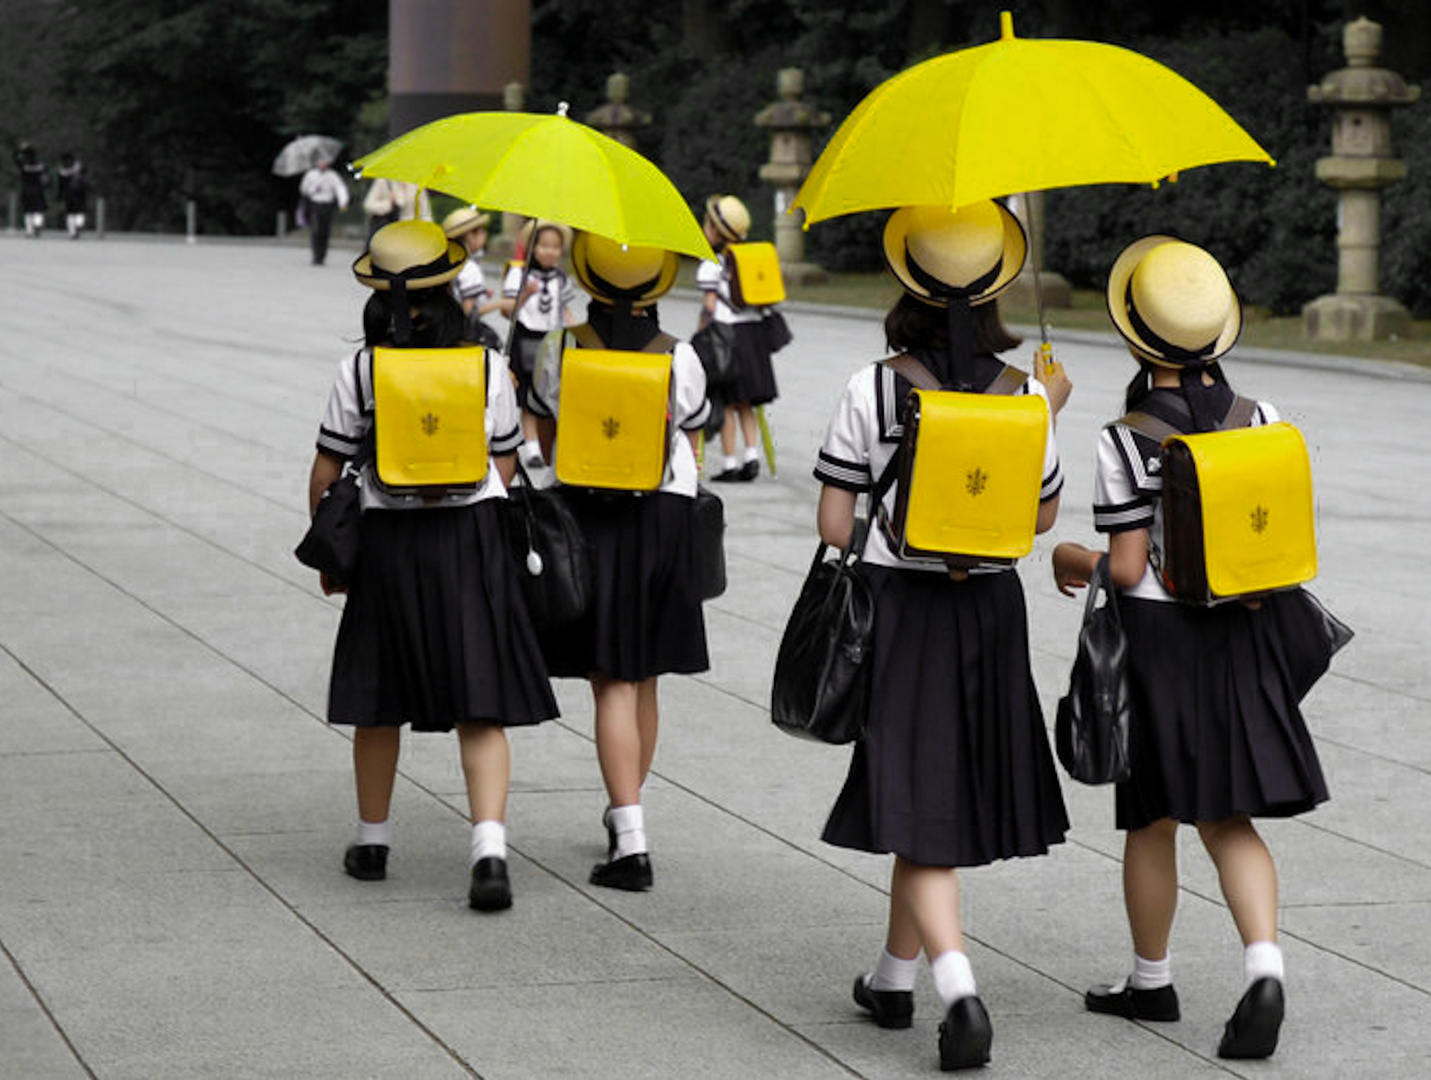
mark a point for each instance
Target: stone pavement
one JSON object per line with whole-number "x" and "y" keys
{"x": 173, "y": 806}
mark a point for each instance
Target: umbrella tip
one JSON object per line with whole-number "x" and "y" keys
{"x": 1006, "y": 25}
{"x": 562, "y": 107}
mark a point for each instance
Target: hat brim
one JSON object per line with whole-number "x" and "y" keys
{"x": 1015, "y": 252}
{"x": 1118, "y": 278}
{"x": 659, "y": 287}
{"x": 462, "y": 228}
{"x": 456, "y": 256}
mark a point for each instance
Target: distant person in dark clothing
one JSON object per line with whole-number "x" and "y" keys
{"x": 70, "y": 186}
{"x": 324, "y": 193}
{"x": 33, "y": 178}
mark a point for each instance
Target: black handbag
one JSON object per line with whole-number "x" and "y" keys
{"x": 549, "y": 550}
{"x": 331, "y": 545}
{"x": 715, "y": 345}
{"x": 821, "y": 688}
{"x": 710, "y": 543}
{"x": 777, "y": 331}
{"x": 1091, "y": 729}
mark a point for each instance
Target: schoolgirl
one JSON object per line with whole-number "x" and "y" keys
{"x": 544, "y": 305}
{"x": 34, "y": 176}
{"x": 645, "y": 618}
{"x": 955, "y": 768}
{"x": 1219, "y": 738}
{"x": 434, "y": 632}
{"x": 468, "y": 226}
{"x": 726, "y": 222}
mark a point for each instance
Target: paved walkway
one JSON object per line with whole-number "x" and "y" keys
{"x": 173, "y": 807}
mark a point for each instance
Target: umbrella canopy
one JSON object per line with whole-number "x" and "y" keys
{"x": 1018, "y": 115}
{"x": 302, "y": 153}
{"x": 545, "y": 166}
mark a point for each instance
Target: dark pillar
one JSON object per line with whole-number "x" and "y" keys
{"x": 453, "y": 56}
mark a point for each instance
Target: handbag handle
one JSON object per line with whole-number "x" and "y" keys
{"x": 1100, "y": 583}
{"x": 534, "y": 562}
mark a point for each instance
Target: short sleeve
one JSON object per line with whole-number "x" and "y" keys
{"x": 512, "y": 282}
{"x": 692, "y": 407}
{"x": 347, "y": 418}
{"x": 1052, "y": 483}
{"x": 569, "y": 295}
{"x": 1121, "y": 502}
{"x": 708, "y": 276}
{"x": 844, "y": 458}
{"x": 504, "y": 418}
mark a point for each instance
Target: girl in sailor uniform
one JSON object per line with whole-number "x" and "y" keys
{"x": 468, "y": 227}
{"x": 543, "y": 306}
{"x": 645, "y": 618}
{"x": 434, "y": 632}
{"x": 1218, "y": 737}
{"x": 955, "y": 768}
{"x": 726, "y": 222}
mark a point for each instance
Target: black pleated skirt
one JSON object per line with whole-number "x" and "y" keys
{"x": 955, "y": 768}
{"x": 645, "y": 616}
{"x": 754, "y": 382}
{"x": 1217, "y": 730}
{"x": 526, "y": 344}
{"x": 434, "y": 631}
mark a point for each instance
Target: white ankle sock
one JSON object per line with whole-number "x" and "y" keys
{"x": 630, "y": 825}
{"x": 375, "y": 832}
{"x": 1151, "y": 974}
{"x": 752, "y": 454}
{"x": 953, "y": 977}
{"x": 1262, "y": 960}
{"x": 893, "y": 973}
{"x": 489, "y": 840}
{"x": 730, "y": 462}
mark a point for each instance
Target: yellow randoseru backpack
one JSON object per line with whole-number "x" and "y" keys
{"x": 613, "y": 430}
{"x": 755, "y": 279}
{"x": 429, "y": 417}
{"x": 971, "y": 472}
{"x": 1237, "y": 509}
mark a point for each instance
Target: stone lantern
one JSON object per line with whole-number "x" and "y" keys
{"x": 616, "y": 118}
{"x": 790, "y": 122}
{"x": 1361, "y": 164}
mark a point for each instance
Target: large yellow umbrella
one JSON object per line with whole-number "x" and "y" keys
{"x": 1018, "y": 115}
{"x": 544, "y": 166}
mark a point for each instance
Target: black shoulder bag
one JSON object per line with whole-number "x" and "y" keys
{"x": 1091, "y": 729}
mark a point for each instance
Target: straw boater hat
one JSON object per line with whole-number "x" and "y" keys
{"x": 610, "y": 271}
{"x": 729, "y": 216}
{"x": 410, "y": 254}
{"x": 463, "y": 220}
{"x": 1172, "y": 302}
{"x": 974, "y": 252}
{"x": 532, "y": 225}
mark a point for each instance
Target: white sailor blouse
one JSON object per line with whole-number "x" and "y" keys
{"x": 1128, "y": 489}
{"x": 862, "y": 439}
{"x": 542, "y": 311}
{"x": 714, "y": 277}
{"x": 349, "y": 417}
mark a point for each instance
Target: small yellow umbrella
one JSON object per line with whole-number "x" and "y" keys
{"x": 1018, "y": 115}
{"x": 544, "y": 166}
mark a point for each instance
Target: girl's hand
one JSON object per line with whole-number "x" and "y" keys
{"x": 1072, "y": 567}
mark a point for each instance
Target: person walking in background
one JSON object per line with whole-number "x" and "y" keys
{"x": 435, "y": 631}
{"x": 726, "y": 222}
{"x": 645, "y": 618}
{"x": 394, "y": 200}
{"x": 323, "y": 193}
{"x": 70, "y": 186}
{"x": 954, "y": 768}
{"x": 468, "y": 226}
{"x": 34, "y": 177}
{"x": 544, "y": 304}
{"x": 1218, "y": 737}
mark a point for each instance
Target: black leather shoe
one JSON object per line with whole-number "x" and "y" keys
{"x": 1252, "y": 1031}
{"x": 890, "y": 1008}
{"x": 750, "y": 470}
{"x": 366, "y": 862}
{"x": 965, "y": 1035}
{"x": 491, "y": 889}
{"x": 726, "y": 476}
{"x": 632, "y": 873}
{"x": 1158, "y": 1004}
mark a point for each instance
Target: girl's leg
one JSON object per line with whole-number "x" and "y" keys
{"x": 749, "y": 430}
{"x": 1247, "y": 874}
{"x": 375, "y": 758}
{"x": 648, "y": 722}
{"x": 619, "y": 751}
{"x": 727, "y": 433}
{"x": 487, "y": 767}
{"x": 1150, "y": 886}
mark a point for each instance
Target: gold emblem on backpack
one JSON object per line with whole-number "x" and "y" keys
{"x": 429, "y": 424}
{"x": 976, "y": 481}
{"x": 1259, "y": 520}
{"x": 611, "y": 427}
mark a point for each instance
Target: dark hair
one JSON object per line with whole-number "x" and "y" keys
{"x": 439, "y": 322}
{"x": 913, "y": 324}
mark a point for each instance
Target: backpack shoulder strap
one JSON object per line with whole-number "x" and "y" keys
{"x": 913, "y": 371}
{"x": 1240, "y": 414}
{"x": 661, "y": 343}
{"x": 1008, "y": 381}
{"x": 586, "y": 337}
{"x": 1147, "y": 424}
